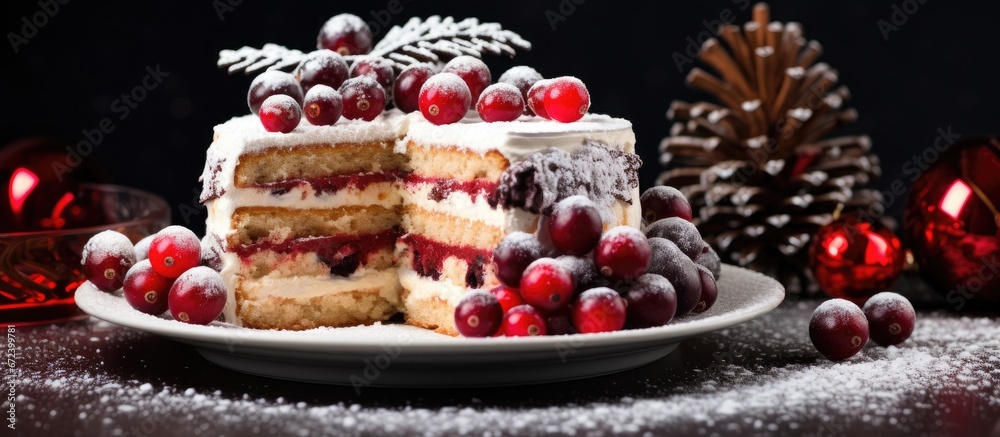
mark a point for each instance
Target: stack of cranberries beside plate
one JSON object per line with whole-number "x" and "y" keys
{"x": 574, "y": 277}
{"x": 170, "y": 270}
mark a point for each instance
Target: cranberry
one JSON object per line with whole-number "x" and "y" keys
{"x": 710, "y": 260}
{"x": 500, "y": 102}
{"x": 890, "y": 318}
{"x": 346, "y": 34}
{"x": 522, "y": 77}
{"x": 174, "y": 251}
{"x": 547, "y": 284}
{"x": 668, "y": 261}
{"x": 514, "y": 253}
{"x": 585, "y": 273}
{"x": 197, "y": 296}
{"x": 107, "y": 257}
{"x": 270, "y": 83}
{"x": 378, "y": 68}
{"x": 536, "y": 98}
{"x": 652, "y": 301}
{"x": 507, "y": 296}
{"x": 682, "y": 232}
{"x": 323, "y": 106}
{"x": 146, "y": 290}
{"x": 444, "y": 99}
{"x": 478, "y": 314}
{"x": 473, "y": 71}
{"x": 559, "y": 322}
{"x": 709, "y": 290}
{"x": 662, "y": 202}
{"x": 523, "y": 321}
{"x": 599, "y": 310}
{"x": 406, "y": 89}
{"x": 142, "y": 248}
{"x": 280, "y": 113}
{"x": 363, "y": 98}
{"x": 575, "y": 225}
{"x": 838, "y": 329}
{"x": 566, "y": 99}
{"x": 622, "y": 254}
{"x": 321, "y": 67}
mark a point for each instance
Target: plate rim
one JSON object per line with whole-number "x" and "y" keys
{"x": 223, "y": 333}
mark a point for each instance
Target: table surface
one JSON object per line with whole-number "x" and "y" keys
{"x": 91, "y": 377}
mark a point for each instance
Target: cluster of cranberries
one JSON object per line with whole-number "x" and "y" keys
{"x": 573, "y": 277}
{"x": 840, "y": 329}
{"x": 324, "y": 88}
{"x": 169, "y": 270}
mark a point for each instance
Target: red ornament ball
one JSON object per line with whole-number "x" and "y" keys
{"x": 951, "y": 222}
{"x": 853, "y": 259}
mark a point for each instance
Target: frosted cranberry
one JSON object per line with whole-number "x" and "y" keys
{"x": 514, "y": 253}
{"x": 323, "y": 106}
{"x": 280, "y": 113}
{"x": 668, "y": 261}
{"x": 652, "y": 301}
{"x": 106, "y": 258}
{"x": 710, "y": 260}
{"x": 478, "y": 314}
{"x": 378, "y": 68}
{"x": 363, "y": 98}
{"x": 174, "y": 251}
{"x": 709, "y": 290}
{"x": 575, "y": 225}
{"x": 662, "y": 202}
{"x": 500, "y": 102}
{"x": 536, "y": 98}
{"x": 523, "y": 321}
{"x": 271, "y": 83}
{"x": 559, "y": 322}
{"x": 547, "y": 285}
{"x": 473, "y": 71}
{"x": 622, "y": 254}
{"x": 146, "y": 290}
{"x": 838, "y": 329}
{"x": 406, "y": 89}
{"x": 584, "y": 272}
{"x": 599, "y": 310}
{"x": 891, "y": 318}
{"x": 321, "y": 67}
{"x": 508, "y": 297}
{"x": 522, "y": 77}
{"x": 566, "y": 99}
{"x": 444, "y": 99}
{"x": 682, "y": 232}
{"x": 198, "y": 296}
{"x": 142, "y": 248}
{"x": 346, "y": 34}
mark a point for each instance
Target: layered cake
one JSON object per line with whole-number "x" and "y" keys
{"x": 307, "y": 222}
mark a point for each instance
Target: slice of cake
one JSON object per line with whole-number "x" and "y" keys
{"x": 306, "y": 222}
{"x": 472, "y": 183}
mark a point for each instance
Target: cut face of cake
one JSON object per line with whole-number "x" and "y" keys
{"x": 349, "y": 224}
{"x": 306, "y": 223}
{"x": 471, "y": 183}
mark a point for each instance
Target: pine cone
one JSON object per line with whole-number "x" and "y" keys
{"x": 758, "y": 168}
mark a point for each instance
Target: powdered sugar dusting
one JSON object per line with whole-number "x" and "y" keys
{"x": 206, "y": 279}
{"x": 448, "y": 84}
{"x": 889, "y": 300}
{"x": 142, "y": 247}
{"x": 109, "y": 244}
{"x": 182, "y": 237}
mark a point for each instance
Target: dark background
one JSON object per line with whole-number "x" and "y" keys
{"x": 936, "y": 70}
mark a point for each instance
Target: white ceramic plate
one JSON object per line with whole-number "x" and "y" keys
{"x": 395, "y": 355}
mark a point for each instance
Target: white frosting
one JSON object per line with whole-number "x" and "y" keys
{"x": 306, "y": 287}
{"x": 246, "y": 134}
{"x": 423, "y": 288}
{"x": 514, "y": 139}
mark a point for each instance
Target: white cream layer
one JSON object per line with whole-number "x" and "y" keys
{"x": 423, "y": 288}
{"x": 518, "y": 138}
